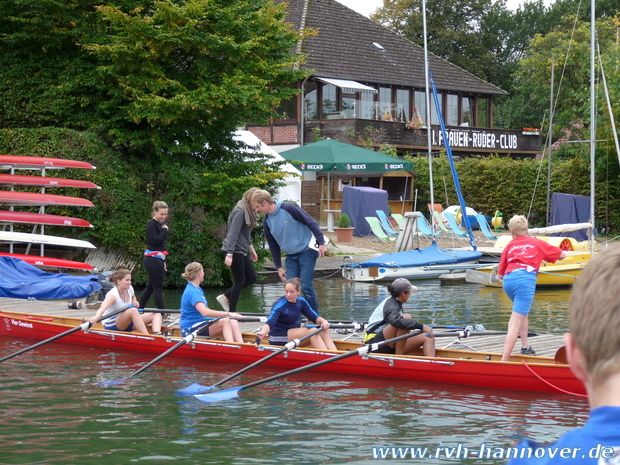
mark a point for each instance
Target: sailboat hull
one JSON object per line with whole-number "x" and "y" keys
{"x": 430, "y": 262}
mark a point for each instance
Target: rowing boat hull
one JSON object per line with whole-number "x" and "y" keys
{"x": 523, "y": 373}
{"x": 26, "y": 162}
{"x": 44, "y": 181}
{"x": 49, "y": 262}
{"x": 36, "y": 199}
{"x": 41, "y": 218}
{"x": 10, "y": 236}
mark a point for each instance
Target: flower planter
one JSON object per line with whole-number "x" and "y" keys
{"x": 344, "y": 234}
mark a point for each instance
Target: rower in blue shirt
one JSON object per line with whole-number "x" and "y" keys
{"x": 282, "y": 324}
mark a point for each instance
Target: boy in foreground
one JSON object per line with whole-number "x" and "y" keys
{"x": 593, "y": 351}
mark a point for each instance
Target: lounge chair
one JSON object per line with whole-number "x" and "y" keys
{"x": 385, "y": 223}
{"x": 456, "y": 229}
{"x": 377, "y": 230}
{"x": 400, "y": 220}
{"x": 484, "y": 227}
{"x": 424, "y": 227}
{"x": 439, "y": 221}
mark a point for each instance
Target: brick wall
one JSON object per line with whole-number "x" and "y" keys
{"x": 276, "y": 134}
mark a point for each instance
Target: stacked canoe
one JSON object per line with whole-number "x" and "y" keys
{"x": 10, "y": 199}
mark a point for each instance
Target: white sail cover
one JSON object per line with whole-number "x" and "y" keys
{"x": 559, "y": 228}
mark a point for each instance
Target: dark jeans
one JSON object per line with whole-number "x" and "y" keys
{"x": 244, "y": 275}
{"x": 155, "y": 268}
{"x": 301, "y": 265}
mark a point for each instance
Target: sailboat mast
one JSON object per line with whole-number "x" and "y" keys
{"x": 427, "y": 95}
{"x": 592, "y": 118}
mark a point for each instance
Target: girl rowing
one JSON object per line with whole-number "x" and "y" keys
{"x": 283, "y": 322}
{"x": 195, "y": 311}
{"x": 120, "y": 296}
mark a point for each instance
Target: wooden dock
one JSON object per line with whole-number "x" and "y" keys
{"x": 544, "y": 344}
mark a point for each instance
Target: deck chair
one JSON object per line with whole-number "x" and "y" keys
{"x": 424, "y": 228}
{"x": 377, "y": 230}
{"x": 385, "y": 223}
{"x": 456, "y": 229}
{"x": 484, "y": 227}
{"x": 400, "y": 220}
{"x": 439, "y": 221}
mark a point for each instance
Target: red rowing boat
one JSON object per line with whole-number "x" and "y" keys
{"x": 25, "y": 162}
{"x": 36, "y": 199}
{"x": 42, "y": 218}
{"x": 44, "y": 181}
{"x": 49, "y": 262}
{"x": 480, "y": 369}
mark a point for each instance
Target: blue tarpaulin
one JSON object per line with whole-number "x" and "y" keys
{"x": 360, "y": 202}
{"x": 568, "y": 208}
{"x": 20, "y": 280}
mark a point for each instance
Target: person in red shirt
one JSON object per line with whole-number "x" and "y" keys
{"x": 518, "y": 269}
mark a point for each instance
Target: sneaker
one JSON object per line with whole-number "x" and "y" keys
{"x": 528, "y": 351}
{"x": 223, "y": 301}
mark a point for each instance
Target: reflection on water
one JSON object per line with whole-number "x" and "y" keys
{"x": 455, "y": 304}
{"x": 54, "y": 413}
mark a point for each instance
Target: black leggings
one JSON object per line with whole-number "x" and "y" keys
{"x": 244, "y": 275}
{"x": 155, "y": 268}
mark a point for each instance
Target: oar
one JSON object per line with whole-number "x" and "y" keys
{"x": 83, "y": 326}
{"x": 176, "y": 310}
{"x": 187, "y": 339}
{"x": 232, "y": 392}
{"x": 466, "y": 333}
{"x": 197, "y": 388}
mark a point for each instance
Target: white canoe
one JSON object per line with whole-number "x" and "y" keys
{"x": 9, "y": 236}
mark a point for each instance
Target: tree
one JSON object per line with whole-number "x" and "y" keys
{"x": 162, "y": 84}
{"x": 150, "y": 75}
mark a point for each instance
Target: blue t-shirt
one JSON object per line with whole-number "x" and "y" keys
{"x": 285, "y": 315}
{"x": 595, "y": 443}
{"x": 189, "y": 315}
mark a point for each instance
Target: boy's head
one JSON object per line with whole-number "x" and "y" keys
{"x": 595, "y": 317}
{"x": 518, "y": 225}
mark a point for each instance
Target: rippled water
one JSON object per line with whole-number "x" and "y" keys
{"x": 54, "y": 413}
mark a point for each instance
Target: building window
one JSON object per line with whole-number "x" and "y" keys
{"x": 287, "y": 110}
{"x": 310, "y": 101}
{"x": 420, "y": 103}
{"x": 349, "y": 106}
{"x": 386, "y": 106}
{"x": 367, "y": 106}
{"x": 403, "y": 104}
{"x": 329, "y": 104}
{"x": 452, "y": 110}
{"x": 483, "y": 112}
{"x": 467, "y": 115}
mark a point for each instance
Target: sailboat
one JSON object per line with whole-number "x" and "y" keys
{"x": 431, "y": 261}
{"x": 564, "y": 272}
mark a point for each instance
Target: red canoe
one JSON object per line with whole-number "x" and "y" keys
{"x": 20, "y": 161}
{"x": 51, "y": 262}
{"x": 42, "y": 218}
{"x": 480, "y": 369}
{"x": 31, "y": 198}
{"x": 44, "y": 181}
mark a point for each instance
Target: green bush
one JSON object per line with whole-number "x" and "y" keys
{"x": 344, "y": 221}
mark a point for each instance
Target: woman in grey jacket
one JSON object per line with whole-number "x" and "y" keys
{"x": 239, "y": 250}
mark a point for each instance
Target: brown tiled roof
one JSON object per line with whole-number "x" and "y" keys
{"x": 343, "y": 48}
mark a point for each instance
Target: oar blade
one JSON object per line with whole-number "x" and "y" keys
{"x": 194, "y": 389}
{"x": 226, "y": 394}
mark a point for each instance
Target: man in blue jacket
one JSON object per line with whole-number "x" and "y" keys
{"x": 289, "y": 229}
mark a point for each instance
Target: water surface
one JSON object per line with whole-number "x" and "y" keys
{"x": 54, "y": 413}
